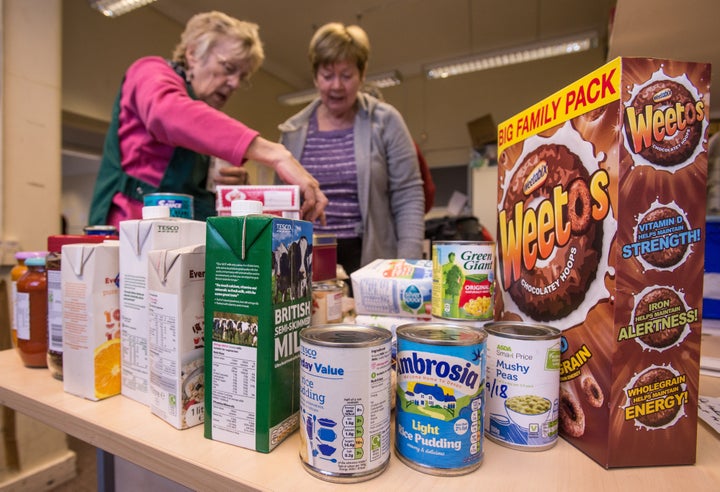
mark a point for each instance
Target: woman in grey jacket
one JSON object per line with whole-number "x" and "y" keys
{"x": 361, "y": 152}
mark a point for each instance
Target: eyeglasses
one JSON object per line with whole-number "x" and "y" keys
{"x": 233, "y": 70}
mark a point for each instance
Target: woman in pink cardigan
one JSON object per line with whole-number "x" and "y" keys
{"x": 166, "y": 122}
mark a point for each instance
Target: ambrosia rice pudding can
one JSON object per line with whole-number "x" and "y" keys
{"x": 181, "y": 205}
{"x": 440, "y": 397}
{"x": 523, "y": 384}
{"x": 345, "y": 396}
{"x": 463, "y": 283}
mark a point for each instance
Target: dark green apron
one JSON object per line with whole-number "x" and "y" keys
{"x": 186, "y": 173}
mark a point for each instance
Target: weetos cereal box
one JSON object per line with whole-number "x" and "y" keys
{"x": 601, "y": 219}
{"x": 258, "y": 296}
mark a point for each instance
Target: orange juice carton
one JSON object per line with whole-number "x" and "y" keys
{"x": 176, "y": 291}
{"x": 91, "y": 319}
{"x": 601, "y": 234}
{"x": 280, "y": 200}
{"x": 394, "y": 288}
{"x": 157, "y": 230}
{"x": 258, "y": 296}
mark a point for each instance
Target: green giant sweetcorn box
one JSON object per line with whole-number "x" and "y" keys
{"x": 257, "y": 299}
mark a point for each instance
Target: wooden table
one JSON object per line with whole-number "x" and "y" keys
{"x": 125, "y": 428}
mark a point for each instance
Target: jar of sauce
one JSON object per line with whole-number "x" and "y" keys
{"x": 15, "y": 274}
{"x": 31, "y": 310}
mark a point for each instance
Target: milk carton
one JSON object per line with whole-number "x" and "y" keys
{"x": 156, "y": 231}
{"x": 394, "y": 288}
{"x": 176, "y": 290}
{"x": 257, "y": 299}
{"x": 91, "y": 319}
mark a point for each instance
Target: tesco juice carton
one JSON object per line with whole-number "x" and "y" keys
{"x": 137, "y": 237}
{"x": 91, "y": 319}
{"x": 176, "y": 291}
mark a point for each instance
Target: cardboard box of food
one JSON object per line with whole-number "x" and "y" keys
{"x": 258, "y": 296}
{"x": 601, "y": 219}
{"x": 396, "y": 287}
{"x": 280, "y": 200}
{"x": 176, "y": 303}
{"x": 91, "y": 319}
{"x": 137, "y": 238}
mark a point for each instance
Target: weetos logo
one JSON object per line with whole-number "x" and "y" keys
{"x": 530, "y": 235}
{"x": 661, "y": 120}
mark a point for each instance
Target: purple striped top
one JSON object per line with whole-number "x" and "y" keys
{"x": 330, "y": 157}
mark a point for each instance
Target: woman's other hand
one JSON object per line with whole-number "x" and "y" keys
{"x": 231, "y": 175}
{"x": 290, "y": 171}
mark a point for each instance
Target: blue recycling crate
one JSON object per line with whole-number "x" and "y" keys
{"x": 711, "y": 306}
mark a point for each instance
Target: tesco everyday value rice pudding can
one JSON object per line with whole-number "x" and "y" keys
{"x": 463, "y": 281}
{"x": 440, "y": 397}
{"x": 523, "y": 385}
{"x": 345, "y": 396}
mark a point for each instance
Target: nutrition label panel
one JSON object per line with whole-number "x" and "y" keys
{"x": 353, "y": 431}
{"x": 234, "y": 386}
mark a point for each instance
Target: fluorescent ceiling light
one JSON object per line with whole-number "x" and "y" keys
{"x": 385, "y": 79}
{"x": 520, "y": 54}
{"x": 299, "y": 97}
{"x": 379, "y": 80}
{"x": 114, "y": 8}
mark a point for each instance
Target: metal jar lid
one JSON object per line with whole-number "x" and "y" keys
{"x": 345, "y": 335}
{"x": 441, "y": 333}
{"x": 521, "y": 330}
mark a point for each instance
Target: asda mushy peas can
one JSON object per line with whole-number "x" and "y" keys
{"x": 463, "y": 283}
{"x": 440, "y": 394}
{"x": 523, "y": 385}
{"x": 345, "y": 375}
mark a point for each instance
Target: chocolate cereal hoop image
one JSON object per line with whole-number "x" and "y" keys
{"x": 653, "y": 306}
{"x": 680, "y": 145}
{"x": 572, "y": 416}
{"x": 656, "y": 383}
{"x": 566, "y": 283}
{"x": 666, "y": 225}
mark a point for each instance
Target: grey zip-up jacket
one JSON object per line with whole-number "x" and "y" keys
{"x": 390, "y": 187}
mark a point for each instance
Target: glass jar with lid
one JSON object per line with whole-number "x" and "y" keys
{"x": 15, "y": 274}
{"x": 31, "y": 313}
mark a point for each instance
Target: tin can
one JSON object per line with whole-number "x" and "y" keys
{"x": 440, "y": 397}
{"x": 326, "y": 303}
{"x": 345, "y": 375}
{"x": 180, "y": 205}
{"x": 100, "y": 230}
{"x": 523, "y": 385}
{"x": 463, "y": 284}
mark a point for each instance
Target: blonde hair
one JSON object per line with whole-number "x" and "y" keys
{"x": 336, "y": 42}
{"x": 204, "y": 30}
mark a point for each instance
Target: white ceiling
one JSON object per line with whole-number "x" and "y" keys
{"x": 688, "y": 30}
{"x": 405, "y": 34}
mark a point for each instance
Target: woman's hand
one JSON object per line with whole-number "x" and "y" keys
{"x": 231, "y": 175}
{"x": 290, "y": 171}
